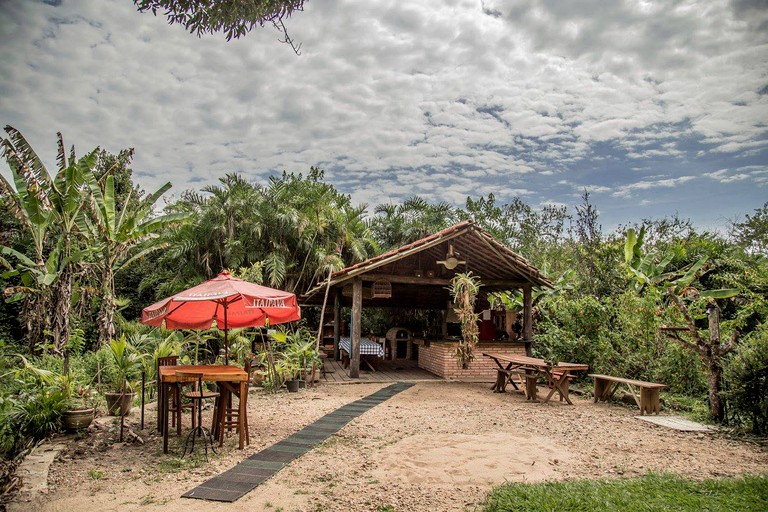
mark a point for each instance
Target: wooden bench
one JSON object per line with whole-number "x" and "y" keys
{"x": 648, "y": 402}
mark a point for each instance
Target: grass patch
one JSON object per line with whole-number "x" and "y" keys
{"x": 176, "y": 464}
{"x": 650, "y": 493}
{"x": 693, "y": 408}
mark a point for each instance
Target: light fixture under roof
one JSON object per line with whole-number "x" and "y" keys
{"x": 451, "y": 261}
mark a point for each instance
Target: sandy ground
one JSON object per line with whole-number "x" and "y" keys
{"x": 435, "y": 446}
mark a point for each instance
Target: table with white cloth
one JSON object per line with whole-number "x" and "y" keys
{"x": 371, "y": 352}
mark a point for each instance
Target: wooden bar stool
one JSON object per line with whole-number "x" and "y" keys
{"x": 197, "y": 396}
{"x": 231, "y": 419}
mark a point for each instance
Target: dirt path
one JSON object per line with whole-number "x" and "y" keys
{"x": 436, "y": 446}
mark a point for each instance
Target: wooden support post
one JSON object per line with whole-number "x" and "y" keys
{"x": 143, "y": 387}
{"x": 357, "y": 313}
{"x": 444, "y": 325}
{"x": 527, "y": 318}
{"x": 336, "y": 323}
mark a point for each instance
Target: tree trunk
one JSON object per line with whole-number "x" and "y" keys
{"x": 35, "y": 318}
{"x": 715, "y": 379}
{"x": 107, "y": 309}
{"x": 322, "y": 312}
{"x": 714, "y": 364}
{"x": 62, "y": 304}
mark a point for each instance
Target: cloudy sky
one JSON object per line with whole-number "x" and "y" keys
{"x": 655, "y": 107}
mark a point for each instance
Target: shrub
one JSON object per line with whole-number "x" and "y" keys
{"x": 35, "y": 413}
{"x": 746, "y": 375}
{"x": 619, "y": 336}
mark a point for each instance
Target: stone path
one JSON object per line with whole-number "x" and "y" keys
{"x": 677, "y": 423}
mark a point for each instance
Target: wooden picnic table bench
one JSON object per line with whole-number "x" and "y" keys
{"x": 529, "y": 369}
{"x": 648, "y": 402}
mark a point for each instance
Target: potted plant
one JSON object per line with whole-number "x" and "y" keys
{"x": 302, "y": 350}
{"x": 289, "y": 372}
{"x": 126, "y": 362}
{"x": 80, "y": 411}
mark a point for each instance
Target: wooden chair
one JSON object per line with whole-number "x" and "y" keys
{"x": 231, "y": 416}
{"x": 174, "y": 408}
{"x": 197, "y": 395}
{"x": 177, "y": 407}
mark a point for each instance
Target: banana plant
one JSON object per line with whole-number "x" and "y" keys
{"x": 682, "y": 287}
{"x": 121, "y": 236}
{"x": 49, "y": 208}
{"x": 644, "y": 269}
{"x": 512, "y": 300}
{"x": 649, "y": 270}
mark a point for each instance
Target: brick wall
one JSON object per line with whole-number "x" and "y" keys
{"x": 439, "y": 358}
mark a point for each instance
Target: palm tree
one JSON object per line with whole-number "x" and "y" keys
{"x": 397, "y": 225}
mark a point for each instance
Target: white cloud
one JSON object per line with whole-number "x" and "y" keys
{"x": 630, "y": 189}
{"x": 391, "y": 96}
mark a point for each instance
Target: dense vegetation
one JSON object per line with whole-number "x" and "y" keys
{"x": 84, "y": 249}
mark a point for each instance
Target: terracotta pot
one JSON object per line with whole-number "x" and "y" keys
{"x": 259, "y": 377}
{"x": 77, "y": 419}
{"x": 119, "y": 404}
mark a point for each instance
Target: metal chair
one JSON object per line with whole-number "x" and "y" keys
{"x": 197, "y": 396}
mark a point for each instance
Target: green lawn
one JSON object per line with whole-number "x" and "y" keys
{"x": 650, "y": 493}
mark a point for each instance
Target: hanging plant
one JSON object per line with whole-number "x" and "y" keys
{"x": 464, "y": 289}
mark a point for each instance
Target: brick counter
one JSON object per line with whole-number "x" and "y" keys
{"x": 440, "y": 358}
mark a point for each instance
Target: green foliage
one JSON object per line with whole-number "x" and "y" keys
{"x": 232, "y": 17}
{"x": 618, "y": 336}
{"x": 650, "y": 493}
{"x": 644, "y": 269}
{"x": 32, "y": 400}
{"x": 464, "y": 289}
{"x": 293, "y": 229}
{"x": 525, "y": 230}
{"x": 51, "y": 211}
{"x": 35, "y": 413}
{"x": 126, "y": 363}
{"x": 752, "y": 232}
{"x": 395, "y": 225}
{"x": 746, "y": 375}
{"x": 121, "y": 234}
{"x": 297, "y": 353}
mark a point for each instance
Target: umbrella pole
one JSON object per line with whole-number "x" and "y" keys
{"x": 226, "y": 340}
{"x": 271, "y": 360}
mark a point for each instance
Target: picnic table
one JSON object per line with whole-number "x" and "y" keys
{"x": 531, "y": 368}
{"x": 231, "y": 380}
{"x": 369, "y": 349}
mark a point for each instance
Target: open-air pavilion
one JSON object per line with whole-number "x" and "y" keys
{"x": 417, "y": 276}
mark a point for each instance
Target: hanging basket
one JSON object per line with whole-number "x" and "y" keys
{"x": 381, "y": 290}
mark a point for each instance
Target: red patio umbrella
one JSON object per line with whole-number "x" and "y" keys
{"x": 232, "y": 302}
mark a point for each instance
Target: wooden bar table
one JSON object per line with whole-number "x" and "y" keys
{"x": 228, "y": 378}
{"x": 535, "y": 366}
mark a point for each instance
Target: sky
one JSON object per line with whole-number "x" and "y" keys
{"x": 655, "y": 108}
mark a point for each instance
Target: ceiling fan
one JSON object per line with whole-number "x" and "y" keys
{"x": 450, "y": 262}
